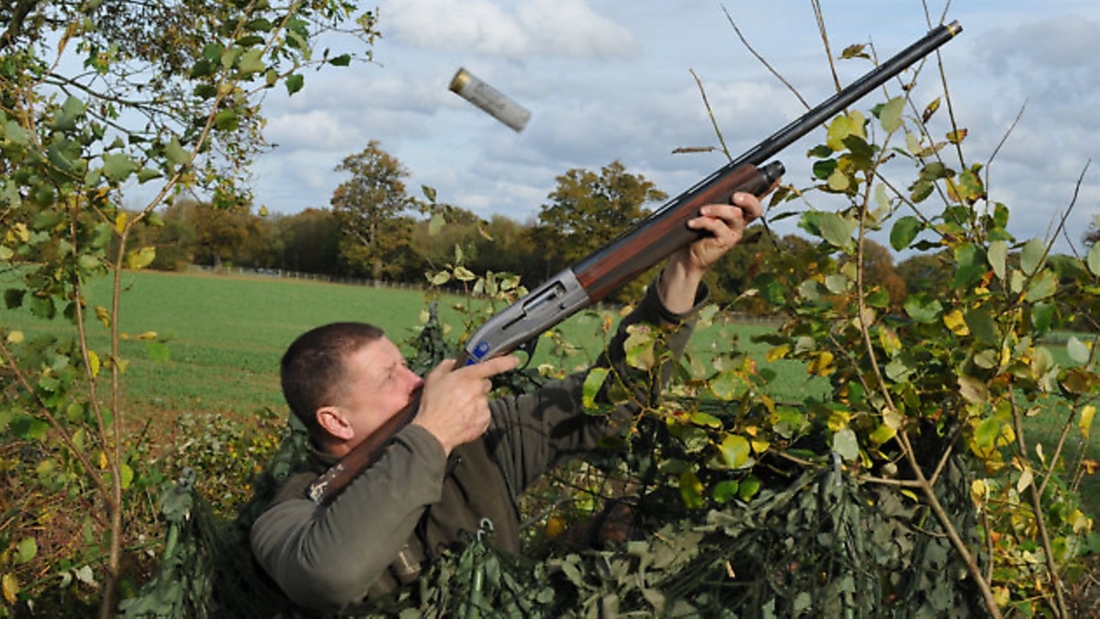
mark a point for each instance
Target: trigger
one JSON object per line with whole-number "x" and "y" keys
{"x": 528, "y": 349}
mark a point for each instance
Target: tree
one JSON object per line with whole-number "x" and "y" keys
{"x": 309, "y": 241}
{"x": 95, "y": 97}
{"x": 586, "y": 210}
{"x": 371, "y": 208}
{"x": 925, "y": 272}
{"x": 220, "y": 234}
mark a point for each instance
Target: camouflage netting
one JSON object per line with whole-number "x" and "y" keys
{"x": 824, "y": 546}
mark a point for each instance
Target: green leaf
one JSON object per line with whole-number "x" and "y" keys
{"x": 252, "y": 61}
{"x": 592, "y": 385}
{"x": 749, "y": 487}
{"x": 970, "y": 263}
{"x": 923, "y": 308}
{"x": 1042, "y": 317}
{"x": 1043, "y": 286}
{"x": 735, "y": 451}
{"x": 175, "y": 152}
{"x": 639, "y": 349}
{"x": 463, "y": 274}
{"x": 68, "y": 114}
{"x": 1093, "y": 259}
{"x": 227, "y": 120}
{"x": 728, "y": 385}
{"x": 342, "y": 60}
{"x": 998, "y": 257}
{"x": 846, "y": 443}
{"x": 904, "y": 231}
{"x": 981, "y": 323}
{"x": 890, "y": 114}
{"x": 921, "y": 190}
{"x": 294, "y": 83}
{"x": 26, "y": 550}
{"x": 118, "y": 166}
{"x": 1031, "y": 257}
{"x": 837, "y": 229}
{"x": 724, "y": 491}
{"x": 985, "y": 435}
{"x": 1078, "y": 350}
{"x": 973, "y": 390}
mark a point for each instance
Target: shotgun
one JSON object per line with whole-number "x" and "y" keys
{"x": 652, "y": 240}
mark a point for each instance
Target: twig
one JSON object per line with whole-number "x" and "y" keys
{"x": 760, "y": 58}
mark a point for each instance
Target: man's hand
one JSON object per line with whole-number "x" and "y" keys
{"x": 723, "y": 226}
{"x": 454, "y": 404}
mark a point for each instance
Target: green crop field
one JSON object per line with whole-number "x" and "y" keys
{"x": 225, "y": 334}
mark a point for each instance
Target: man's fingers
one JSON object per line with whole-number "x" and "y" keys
{"x": 750, "y": 205}
{"x": 492, "y": 367}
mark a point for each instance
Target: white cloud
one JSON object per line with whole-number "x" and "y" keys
{"x": 509, "y": 30}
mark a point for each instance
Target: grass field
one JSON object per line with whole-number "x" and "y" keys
{"x": 226, "y": 334}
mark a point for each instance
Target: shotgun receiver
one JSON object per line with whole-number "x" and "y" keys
{"x": 652, "y": 240}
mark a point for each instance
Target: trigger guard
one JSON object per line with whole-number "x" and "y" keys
{"x": 529, "y": 348}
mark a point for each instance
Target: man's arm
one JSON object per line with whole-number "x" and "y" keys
{"x": 531, "y": 433}
{"x": 726, "y": 224}
{"x": 325, "y": 558}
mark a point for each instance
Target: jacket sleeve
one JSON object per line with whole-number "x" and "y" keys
{"x": 325, "y": 558}
{"x": 534, "y": 432}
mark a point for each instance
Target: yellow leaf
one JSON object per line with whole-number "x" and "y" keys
{"x": 1026, "y": 479}
{"x": 20, "y": 231}
{"x": 102, "y": 460}
{"x": 120, "y": 222}
{"x": 779, "y": 352}
{"x": 15, "y": 337}
{"x": 838, "y": 420}
{"x": 892, "y": 418}
{"x": 103, "y": 315}
{"x": 148, "y": 335}
{"x": 93, "y": 363}
{"x": 979, "y": 490}
{"x": 889, "y": 341}
{"x": 141, "y": 258}
{"x": 11, "y": 587}
{"x": 1087, "y": 413}
{"x": 955, "y": 321}
{"x": 822, "y": 364}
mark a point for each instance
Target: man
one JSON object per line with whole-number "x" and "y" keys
{"x": 462, "y": 461}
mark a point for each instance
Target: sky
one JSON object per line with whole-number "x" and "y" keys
{"x": 613, "y": 81}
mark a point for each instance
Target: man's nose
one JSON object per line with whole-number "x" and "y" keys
{"x": 414, "y": 380}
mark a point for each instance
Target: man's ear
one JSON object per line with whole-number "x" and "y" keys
{"x": 331, "y": 419}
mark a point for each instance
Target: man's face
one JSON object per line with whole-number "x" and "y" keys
{"x": 378, "y": 386}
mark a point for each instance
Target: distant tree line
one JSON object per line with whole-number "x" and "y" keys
{"x": 373, "y": 228}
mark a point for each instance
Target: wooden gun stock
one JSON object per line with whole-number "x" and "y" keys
{"x": 659, "y": 236}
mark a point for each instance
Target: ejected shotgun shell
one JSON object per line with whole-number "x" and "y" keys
{"x": 490, "y": 100}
